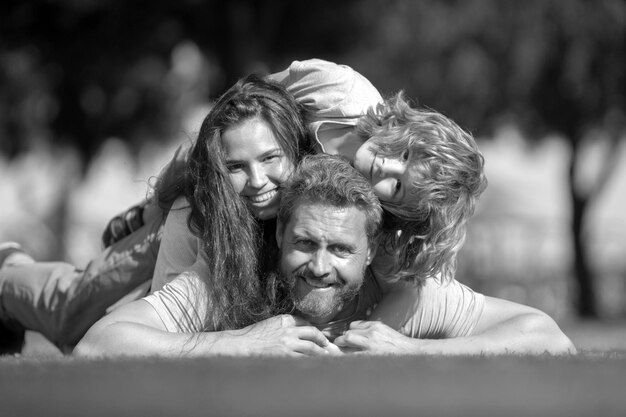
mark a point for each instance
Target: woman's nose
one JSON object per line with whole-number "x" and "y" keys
{"x": 257, "y": 177}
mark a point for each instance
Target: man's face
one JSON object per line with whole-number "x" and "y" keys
{"x": 324, "y": 254}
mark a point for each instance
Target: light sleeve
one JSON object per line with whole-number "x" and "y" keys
{"x": 332, "y": 91}
{"x": 182, "y": 304}
{"x": 179, "y": 248}
{"x": 432, "y": 310}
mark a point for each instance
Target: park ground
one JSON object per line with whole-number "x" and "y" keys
{"x": 42, "y": 381}
{"x": 591, "y": 337}
{"x": 582, "y": 385}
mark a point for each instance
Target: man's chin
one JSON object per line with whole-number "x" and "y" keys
{"x": 321, "y": 305}
{"x": 318, "y": 310}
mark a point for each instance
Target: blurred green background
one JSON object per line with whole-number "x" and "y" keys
{"x": 96, "y": 94}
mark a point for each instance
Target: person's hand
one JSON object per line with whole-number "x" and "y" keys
{"x": 375, "y": 338}
{"x": 284, "y": 335}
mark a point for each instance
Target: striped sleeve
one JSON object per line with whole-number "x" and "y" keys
{"x": 432, "y": 310}
{"x": 182, "y": 304}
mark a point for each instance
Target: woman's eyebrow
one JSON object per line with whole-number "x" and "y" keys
{"x": 264, "y": 154}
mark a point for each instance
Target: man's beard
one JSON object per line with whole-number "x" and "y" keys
{"x": 318, "y": 306}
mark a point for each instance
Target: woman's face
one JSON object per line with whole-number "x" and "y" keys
{"x": 257, "y": 165}
{"x": 391, "y": 178}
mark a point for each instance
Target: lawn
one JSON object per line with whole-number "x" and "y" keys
{"x": 41, "y": 382}
{"x": 604, "y": 338}
{"x": 357, "y": 386}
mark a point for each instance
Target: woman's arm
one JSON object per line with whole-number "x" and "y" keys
{"x": 179, "y": 248}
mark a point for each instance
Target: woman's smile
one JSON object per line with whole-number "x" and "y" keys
{"x": 262, "y": 197}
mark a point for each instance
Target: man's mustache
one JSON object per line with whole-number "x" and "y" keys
{"x": 307, "y": 275}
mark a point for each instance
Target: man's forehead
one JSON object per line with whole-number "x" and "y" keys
{"x": 324, "y": 220}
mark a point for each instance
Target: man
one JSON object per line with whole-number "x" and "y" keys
{"x": 329, "y": 222}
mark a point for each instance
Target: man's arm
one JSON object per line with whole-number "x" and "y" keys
{"x": 136, "y": 330}
{"x": 503, "y": 327}
{"x": 171, "y": 322}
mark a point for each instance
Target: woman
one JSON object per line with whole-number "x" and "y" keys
{"x": 229, "y": 196}
{"x": 254, "y": 130}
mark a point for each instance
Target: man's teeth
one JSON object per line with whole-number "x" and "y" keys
{"x": 316, "y": 283}
{"x": 261, "y": 198}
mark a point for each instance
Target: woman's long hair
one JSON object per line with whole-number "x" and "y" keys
{"x": 232, "y": 239}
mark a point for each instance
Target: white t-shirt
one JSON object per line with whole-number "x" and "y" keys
{"x": 429, "y": 311}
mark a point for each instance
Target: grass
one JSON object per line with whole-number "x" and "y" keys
{"x": 356, "y": 386}
{"x": 592, "y": 338}
{"x": 43, "y": 382}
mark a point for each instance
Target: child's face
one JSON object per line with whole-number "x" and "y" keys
{"x": 391, "y": 177}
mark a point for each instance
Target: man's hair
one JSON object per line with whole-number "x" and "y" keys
{"x": 331, "y": 180}
{"x": 447, "y": 168}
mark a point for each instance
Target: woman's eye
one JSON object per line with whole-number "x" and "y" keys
{"x": 405, "y": 155}
{"x": 234, "y": 167}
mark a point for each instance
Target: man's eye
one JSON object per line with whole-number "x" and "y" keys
{"x": 271, "y": 158}
{"x": 341, "y": 250}
{"x": 305, "y": 244}
{"x": 398, "y": 187}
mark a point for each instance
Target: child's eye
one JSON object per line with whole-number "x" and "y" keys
{"x": 271, "y": 158}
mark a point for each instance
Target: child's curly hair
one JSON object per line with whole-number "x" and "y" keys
{"x": 426, "y": 231}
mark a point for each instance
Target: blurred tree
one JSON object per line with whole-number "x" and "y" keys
{"x": 78, "y": 72}
{"x": 86, "y": 71}
{"x": 577, "y": 84}
{"x": 551, "y": 67}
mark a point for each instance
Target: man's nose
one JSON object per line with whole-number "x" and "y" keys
{"x": 257, "y": 177}
{"x": 319, "y": 265}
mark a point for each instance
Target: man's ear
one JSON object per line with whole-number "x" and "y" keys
{"x": 279, "y": 233}
{"x": 372, "y": 247}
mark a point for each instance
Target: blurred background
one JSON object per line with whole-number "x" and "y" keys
{"x": 96, "y": 94}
